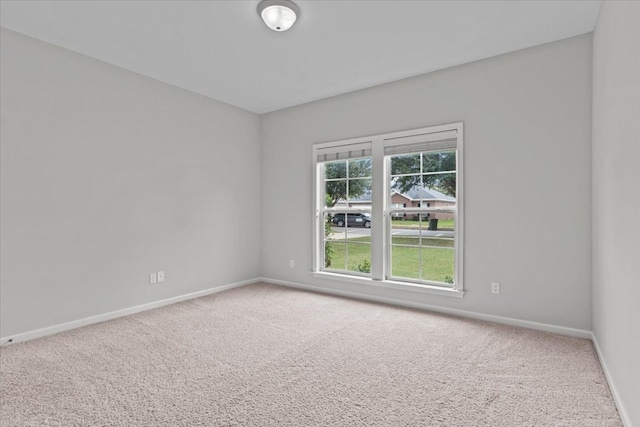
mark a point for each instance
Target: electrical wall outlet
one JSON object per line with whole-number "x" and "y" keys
{"x": 160, "y": 276}
{"x": 292, "y": 263}
{"x": 495, "y": 287}
{"x": 153, "y": 278}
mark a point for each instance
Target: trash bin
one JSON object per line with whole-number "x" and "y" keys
{"x": 433, "y": 223}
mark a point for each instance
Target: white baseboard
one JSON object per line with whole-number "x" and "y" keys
{"x": 580, "y": 333}
{"x": 624, "y": 415}
{"x": 25, "y": 336}
{"x": 50, "y": 330}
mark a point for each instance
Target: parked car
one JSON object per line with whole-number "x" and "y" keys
{"x": 353, "y": 219}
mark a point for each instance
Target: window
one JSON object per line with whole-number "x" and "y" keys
{"x": 345, "y": 205}
{"x": 424, "y": 253}
{"x": 388, "y": 210}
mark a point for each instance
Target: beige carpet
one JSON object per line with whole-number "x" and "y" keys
{"x": 265, "y": 355}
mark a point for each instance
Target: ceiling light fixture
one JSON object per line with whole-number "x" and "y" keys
{"x": 279, "y": 15}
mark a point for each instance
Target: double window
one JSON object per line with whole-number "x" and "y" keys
{"x": 388, "y": 209}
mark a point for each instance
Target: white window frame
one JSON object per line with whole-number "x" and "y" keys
{"x": 353, "y": 149}
{"x": 380, "y": 211}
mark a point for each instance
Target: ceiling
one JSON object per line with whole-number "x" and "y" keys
{"x": 221, "y": 49}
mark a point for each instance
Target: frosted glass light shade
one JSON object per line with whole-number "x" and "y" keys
{"x": 279, "y": 15}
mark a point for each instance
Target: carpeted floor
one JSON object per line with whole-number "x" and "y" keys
{"x": 264, "y": 355}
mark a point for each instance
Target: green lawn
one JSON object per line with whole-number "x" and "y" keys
{"x": 437, "y": 263}
{"x": 443, "y": 224}
{"x": 437, "y": 257}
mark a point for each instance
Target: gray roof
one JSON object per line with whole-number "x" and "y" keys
{"x": 365, "y": 198}
{"x": 415, "y": 193}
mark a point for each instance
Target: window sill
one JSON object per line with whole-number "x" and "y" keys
{"x": 412, "y": 287}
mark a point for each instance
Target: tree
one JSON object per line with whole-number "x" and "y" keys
{"x": 337, "y": 190}
{"x": 431, "y": 162}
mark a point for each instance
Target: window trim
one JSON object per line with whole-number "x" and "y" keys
{"x": 380, "y": 211}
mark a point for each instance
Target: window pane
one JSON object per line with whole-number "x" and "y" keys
{"x": 360, "y": 192}
{"x": 440, "y": 225}
{"x": 335, "y": 255}
{"x": 350, "y": 255}
{"x": 446, "y": 222}
{"x": 403, "y": 238}
{"x": 407, "y": 230}
{"x": 441, "y": 186}
{"x": 397, "y": 216}
{"x": 335, "y": 193}
{"x": 347, "y": 242}
{"x": 442, "y": 161}
{"x": 437, "y": 264}
{"x": 332, "y": 233}
{"x": 359, "y": 255}
{"x": 437, "y": 240}
{"x": 358, "y": 224}
{"x": 334, "y": 226}
{"x": 405, "y": 262}
{"x": 439, "y": 232}
{"x": 405, "y": 164}
{"x": 360, "y": 168}
{"x": 335, "y": 170}
{"x": 434, "y": 247}
{"x": 407, "y": 186}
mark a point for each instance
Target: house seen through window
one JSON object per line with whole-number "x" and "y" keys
{"x": 389, "y": 208}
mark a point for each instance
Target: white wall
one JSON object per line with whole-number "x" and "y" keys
{"x": 616, "y": 199}
{"x": 527, "y": 118}
{"x": 108, "y": 175}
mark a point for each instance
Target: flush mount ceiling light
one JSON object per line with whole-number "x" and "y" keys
{"x": 279, "y": 15}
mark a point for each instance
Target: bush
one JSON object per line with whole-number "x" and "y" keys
{"x": 328, "y": 249}
{"x": 364, "y": 266}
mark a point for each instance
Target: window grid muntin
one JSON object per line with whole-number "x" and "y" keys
{"x": 380, "y": 147}
{"x": 420, "y": 210}
{"x": 343, "y": 210}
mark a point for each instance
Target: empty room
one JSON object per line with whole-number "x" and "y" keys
{"x": 320, "y": 213}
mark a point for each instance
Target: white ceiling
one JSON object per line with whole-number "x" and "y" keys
{"x": 221, "y": 49}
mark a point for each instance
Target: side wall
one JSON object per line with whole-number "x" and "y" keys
{"x": 527, "y": 118}
{"x": 616, "y": 200}
{"x": 107, "y": 176}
